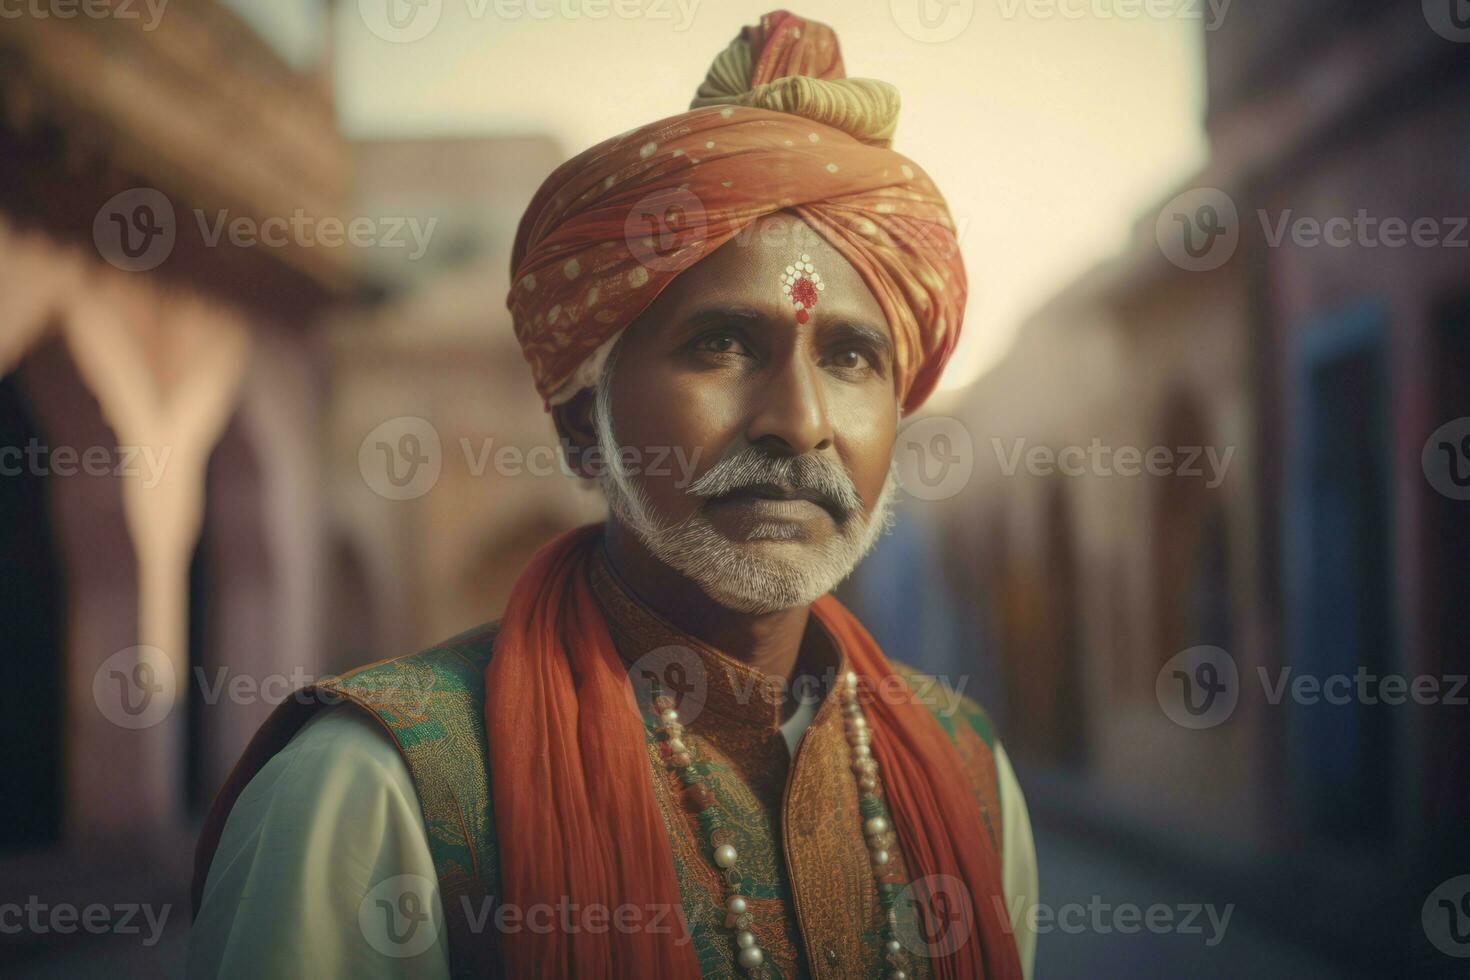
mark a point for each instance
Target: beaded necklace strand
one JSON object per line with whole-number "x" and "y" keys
{"x": 877, "y": 827}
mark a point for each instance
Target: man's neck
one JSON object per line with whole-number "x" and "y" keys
{"x": 770, "y": 642}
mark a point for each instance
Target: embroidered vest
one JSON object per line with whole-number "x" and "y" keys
{"x": 431, "y": 704}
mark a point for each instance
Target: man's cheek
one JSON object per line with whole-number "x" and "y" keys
{"x": 868, "y": 457}
{"x": 666, "y": 481}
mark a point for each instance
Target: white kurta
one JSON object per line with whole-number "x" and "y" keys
{"x": 335, "y": 813}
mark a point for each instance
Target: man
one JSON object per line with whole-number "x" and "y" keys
{"x": 675, "y": 755}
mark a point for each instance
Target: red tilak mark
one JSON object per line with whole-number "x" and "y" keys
{"x": 804, "y": 291}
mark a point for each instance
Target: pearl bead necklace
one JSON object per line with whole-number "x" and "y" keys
{"x": 877, "y": 827}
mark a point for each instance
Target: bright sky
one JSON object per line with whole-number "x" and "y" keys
{"x": 1050, "y": 125}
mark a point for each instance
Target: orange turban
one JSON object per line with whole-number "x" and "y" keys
{"x": 776, "y": 126}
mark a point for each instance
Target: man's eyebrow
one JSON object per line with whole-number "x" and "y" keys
{"x": 722, "y": 313}
{"x": 837, "y": 330}
{"x": 854, "y": 330}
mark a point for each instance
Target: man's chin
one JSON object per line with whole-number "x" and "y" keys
{"x": 760, "y": 573}
{"x": 770, "y": 584}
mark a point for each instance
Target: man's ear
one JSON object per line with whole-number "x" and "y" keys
{"x": 577, "y": 430}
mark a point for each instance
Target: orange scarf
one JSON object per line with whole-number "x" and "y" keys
{"x": 574, "y": 801}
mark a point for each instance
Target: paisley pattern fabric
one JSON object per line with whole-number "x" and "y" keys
{"x": 816, "y": 911}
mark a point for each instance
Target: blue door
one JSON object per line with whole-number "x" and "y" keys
{"x": 1339, "y": 611}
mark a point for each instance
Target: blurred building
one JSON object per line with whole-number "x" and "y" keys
{"x": 252, "y": 518}
{"x": 1313, "y": 543}
{"x": 160, "y": 402}
{"x": 431, "y": 393}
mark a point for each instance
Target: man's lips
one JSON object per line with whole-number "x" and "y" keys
{"x": 771, "y": 491}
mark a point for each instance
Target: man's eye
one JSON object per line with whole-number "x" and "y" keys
{"x": 720, "y": 343}
{"x": 850, "y": 360}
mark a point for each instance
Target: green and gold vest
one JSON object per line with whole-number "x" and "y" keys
{"x": 431, "y": 704}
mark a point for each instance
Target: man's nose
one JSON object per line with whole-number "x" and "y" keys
{"x": 791, "y": 412}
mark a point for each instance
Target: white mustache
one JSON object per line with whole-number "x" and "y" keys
{"x": 750, "y": 466}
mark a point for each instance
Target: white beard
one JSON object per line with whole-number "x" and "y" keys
{"x": 736, "y": 577}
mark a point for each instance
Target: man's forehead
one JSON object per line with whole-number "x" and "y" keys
{"x": 747, "y": 272}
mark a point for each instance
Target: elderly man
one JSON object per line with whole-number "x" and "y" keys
{"x": 675, "y": 755}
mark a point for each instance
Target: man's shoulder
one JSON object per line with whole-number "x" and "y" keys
{"x": 950, "y": 706}
{"x": 456, "y": 664}
{"x": 432, "y": 705}
{"x": 421, "y": 699}
{"x": 349, "y": 719}
{"x": 398, "y": 726}
{"x": 336, "y": 740}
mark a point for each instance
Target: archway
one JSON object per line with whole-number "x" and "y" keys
{"x": 1045, "y": 671}
{"x": 31, "y": 606}
{"x": 96, "y": 765}
{"x": 1190, "y": 542}
{"x": 232, "y": 639}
